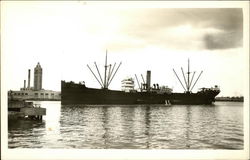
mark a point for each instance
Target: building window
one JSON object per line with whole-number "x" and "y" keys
{"x": 26, "y": 94}
{"x": 46, "y": 94}
{"x": 41, "y": 93}
{"x": 36, "y": 94}
{"x": 52, "y": 94}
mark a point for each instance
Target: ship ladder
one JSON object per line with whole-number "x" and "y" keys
{"x": 167, "y": 102}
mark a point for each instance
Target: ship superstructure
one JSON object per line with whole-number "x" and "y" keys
{"x": 128, "y": 85}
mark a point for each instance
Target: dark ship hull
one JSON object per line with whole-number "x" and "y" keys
{"x": 72, "y": 93}
{"x": 207, "y": 97}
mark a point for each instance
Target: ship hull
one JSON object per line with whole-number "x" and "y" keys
{"x": 78, "y": 94}
{"x": 193, "y": 98}
{"x": 72, "y": 93}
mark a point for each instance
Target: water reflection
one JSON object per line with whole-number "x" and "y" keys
{"x": 52, "y": 136}
{"x": 25, "y": 131}
{"x": 24, "y": 124}
{"x": 132, "y": 127}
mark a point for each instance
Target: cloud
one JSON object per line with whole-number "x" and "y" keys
{"x": 171, "y": 28}
{"x": 160, "y": 27}
{"x": 230, "y": 23}
{"x": 223, "y": 40}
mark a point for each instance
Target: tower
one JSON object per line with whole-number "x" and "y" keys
{"x": 38, "y": 72}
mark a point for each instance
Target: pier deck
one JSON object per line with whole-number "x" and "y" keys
{"x": 22, "y": 109}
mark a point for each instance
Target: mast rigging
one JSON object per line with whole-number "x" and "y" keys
{"x": 187, "y": 81}
{"x": 108, "y": 76}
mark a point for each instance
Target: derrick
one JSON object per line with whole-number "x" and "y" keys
{"x": 106, "y": 80}
{"x": 188, "y": 84}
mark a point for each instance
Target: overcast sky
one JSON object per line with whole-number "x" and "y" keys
{"x": 65, "y": 37}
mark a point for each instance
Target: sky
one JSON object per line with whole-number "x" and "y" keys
{"x": 66, "y": 36}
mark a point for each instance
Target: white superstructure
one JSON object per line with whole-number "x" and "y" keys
{"x": 128, "y": 84}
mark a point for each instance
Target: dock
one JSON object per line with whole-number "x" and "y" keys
{"x": 23, "y": 109}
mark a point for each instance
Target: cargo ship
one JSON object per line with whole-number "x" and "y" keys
{"x": 79, "y": 93}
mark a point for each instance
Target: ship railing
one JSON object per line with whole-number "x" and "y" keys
{"x": 36, "y": 105}
{"x": 216, "y": 88}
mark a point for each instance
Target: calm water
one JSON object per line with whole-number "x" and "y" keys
{"x": 219, "y": 126}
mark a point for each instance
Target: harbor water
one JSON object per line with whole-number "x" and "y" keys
{"x": 217, "y": 126}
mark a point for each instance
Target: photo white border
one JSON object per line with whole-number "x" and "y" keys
{"x": 110, "y": 154}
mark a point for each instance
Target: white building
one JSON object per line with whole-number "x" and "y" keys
{"x": 36, "y": 92}
{"x": 34, "y": 95}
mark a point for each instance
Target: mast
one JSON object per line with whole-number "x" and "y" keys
{"x": 109, "y": 72}
{"x": 105, "y": 73}
{"x": 108, "y": 77}
{"x": 188, "y": 77}
{"x": 188, "y": 83}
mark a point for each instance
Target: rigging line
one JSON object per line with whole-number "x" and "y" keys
{"x": 115, "y": 72}
{"x": 110, "y": 66}
{"x": 95, "y": 76}
{"x": 143, "y": 79}
{"x": 179, "y": 80}
{"x": 192, "y": 80}
{"x": 184, "y": 78}
{"x": 99, "y": 74}
{"x": 196, "y": 80}
{"x": 144, "y": 84}
{"x": 137, "y": 82}
{"x": 111, "y": 73}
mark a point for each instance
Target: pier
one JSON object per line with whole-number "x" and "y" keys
{"x": 22, "y": 109}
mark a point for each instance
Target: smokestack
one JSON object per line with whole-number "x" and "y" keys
{"x": 24, "y": 85}
{"x": 29, "y": 79}
{"x": 148, "y": 80}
